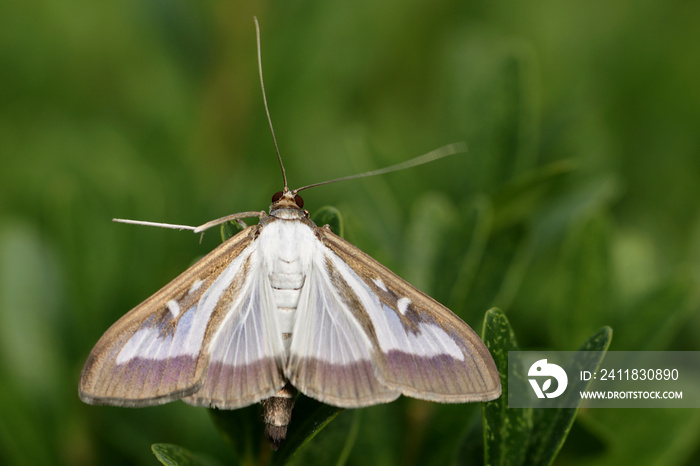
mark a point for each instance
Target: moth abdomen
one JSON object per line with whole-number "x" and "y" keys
{"x": 277, "y": 414}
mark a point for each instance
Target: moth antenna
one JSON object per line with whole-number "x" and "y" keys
{"x": 229, "y": 218}
{"x": 267, "y": 110}
{"x": 154, "y": 224}
{"x": 431, "y": 156}
{"x": 200, "y": 228}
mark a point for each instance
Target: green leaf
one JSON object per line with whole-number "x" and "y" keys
{"x": 524, "y": 195}
{"x": 502, "y": 268}
{"x": 584, "y": 284}
{"x": 506, "y": 430}
{"x": 338, "y": 442}
{"x": 664, "y": 437}
{"x": 431, "y": 217}
{"x": 175, "y": 455}
{"x": 507, "y": 127}
{"x": 308, "y": 419}
{"x": 243, "y": 430}
{"x": 658, "y": 315}
{"x": 551, "y": 426}
{"x": 526, "y": 436}
{"x": 230, "y": 229}
{"x": 329, "y": 216}
{"x": 468, "y": 247}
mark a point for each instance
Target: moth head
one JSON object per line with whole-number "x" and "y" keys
{"x": 287, "y": 199}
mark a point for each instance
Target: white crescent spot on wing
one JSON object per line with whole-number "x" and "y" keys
{"x": 195, "y": 286}
{"x": 380, "y": 284}
{"x": 402, "y": 305}
{"x": 174, "y": 308}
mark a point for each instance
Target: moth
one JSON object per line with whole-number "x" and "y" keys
{"x": 286, "y": 306}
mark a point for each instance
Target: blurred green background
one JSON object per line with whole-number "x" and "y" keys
{"x": 576, "y": 206}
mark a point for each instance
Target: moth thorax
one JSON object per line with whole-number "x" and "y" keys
{"x": 284, "y": 213}
{"x": 277, "y": 414}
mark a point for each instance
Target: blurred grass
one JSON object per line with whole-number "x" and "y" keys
{"x": 576, "y": 207}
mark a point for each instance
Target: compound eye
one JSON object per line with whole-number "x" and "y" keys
{"x": 299, "y": 201}
{"x": 277, "y": 196}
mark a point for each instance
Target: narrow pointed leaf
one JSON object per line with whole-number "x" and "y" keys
{"x": 309, "y": 418}
{"x": 551, "y": 426}
{"x": 243, "y": 429}
{"x": 175, "y": 455}
{"x": 329, "y": 216}
{"x": 506, "y": 430}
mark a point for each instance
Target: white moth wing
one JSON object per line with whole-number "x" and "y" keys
{"x": 331, "y": 357}
{"x": 381, "y": 337}
{"x": 160, "y": 350}
{"x": 294, "y": 257}
{"x": 247, "y": 353}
